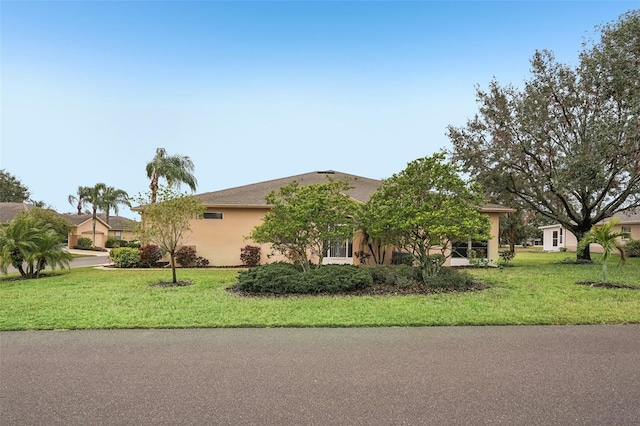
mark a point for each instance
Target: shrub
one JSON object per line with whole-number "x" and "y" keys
{"x": 150, "y": 255}
{"x": 285, "y": 278}
{"x": 450, "y": 278}
{"x": 506, "y": 257}
{"x": 250, "y": 255}
{"x": 133, "y": 244}
{"x": 84, "y": 242}
{"x": 125, "y": 257}
{"x": 201, "y": 262}
{"x": 395, "y": 275}
{"x": 186, "y": 256}
{"x": 633, "y": 248}
{"x": 113, "y": 242}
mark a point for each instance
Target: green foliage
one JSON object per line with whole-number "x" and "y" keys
{"x": 11, "y": 189}
{"x": 566, "y": 143}
{"x": 29, "y": 244}
{"x": 59, "y": 224}
{"x": 168, "y": 222}
{"x": 125, "y": 257}
{"x": 450, "y": 278}
{"x": 633, "y": 248}
{"x": 175, "y": 169}
{"x": 150, "y": 255}
{"x": 307, "y": 220}
{"x": 186, "y": 257}
{"x": 285, "y": 278}
{"x": 395, "y": 275}
{"x": 506, "y": 257}
{"x": 604, "y": 235}
{"x": 250, "y": 256}
{"x": 84, "y": 242}
{"x": 425, "y": 208}
{"x": 113, "y": 242}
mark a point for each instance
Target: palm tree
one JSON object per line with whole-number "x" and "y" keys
{"x": 112, "y": 198}
{"x": 608, "y": 239}
{"x": 95, "y": 197}
{"x": 79, "y": 199}
{"x": 175, "y": 169}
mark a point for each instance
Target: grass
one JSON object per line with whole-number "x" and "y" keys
{"x": 537, "y": 289}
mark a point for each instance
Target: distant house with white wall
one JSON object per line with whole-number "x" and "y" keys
{"x": 558, "y": 238}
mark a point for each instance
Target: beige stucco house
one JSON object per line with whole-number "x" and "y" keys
{"x": 118, "y": 227}
{"x": 232, "y": 213}
{"x": 557, "y": 238}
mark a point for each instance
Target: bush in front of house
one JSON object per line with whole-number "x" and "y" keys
{"x": 84, "y": 242}
{"x": 187, "y": 258}
{"x": 285, "y": 278}
{"x": 125, "y": 257}
{"x": 450, "y": 278}
{"x": 250, "y": 256}
{"x": 633, "y": 248}
{"x": 395, "y": 275}
{"x": 113, "y": 242}
{"x": 150, "y": 255}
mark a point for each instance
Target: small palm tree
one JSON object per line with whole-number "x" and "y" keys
{"x": 78, "y": 200}
{"x": 175, "y": 169}
{"x": 112, "y": 198}
{"x": 604, "y": 236}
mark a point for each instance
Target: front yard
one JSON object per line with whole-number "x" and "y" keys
{"x": 535, "y": 290}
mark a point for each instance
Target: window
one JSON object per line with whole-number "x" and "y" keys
{"x": 560, "y": 235}
{"x": 118, "y": 235}
{"x": 214, "y": 215}
{"x": 555, "y": 239}
{"x": 626, "y": 229}
{"x": 341, "y": 250}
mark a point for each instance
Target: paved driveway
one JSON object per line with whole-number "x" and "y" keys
{"x": 576, "y": 375}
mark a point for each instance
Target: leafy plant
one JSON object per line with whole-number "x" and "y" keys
{"x": 250, "y": 255}
{"x": 633, "y": 248}
{"x": 84, "y": 242}
{"x": 125, "y": 257}
{"x": 186, "y": 256}
{"x": 150, "y": 255}
{"x": 605, "y": 237}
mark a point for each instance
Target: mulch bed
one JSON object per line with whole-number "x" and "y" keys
{"x": 607, "y": 285}
{"x": 374, "y": 290}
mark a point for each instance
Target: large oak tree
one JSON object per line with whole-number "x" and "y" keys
{"x": 567, "y": 144}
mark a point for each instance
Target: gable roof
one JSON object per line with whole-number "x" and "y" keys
{"x": 10, "y": 210}
{"x": 253, "y": 195}
{"x": 116, "y": 223}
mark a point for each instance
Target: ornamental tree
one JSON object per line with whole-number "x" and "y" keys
{"x": 306, "y": 220}
{"x": 167, "y": 222}
{"x": 567, "y": 144}
{"x": 424, "y": 209}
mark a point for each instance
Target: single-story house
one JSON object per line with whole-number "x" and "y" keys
{"x": 231, "y": 214}
{"x": 557, "y": 238}
{"x": 119, "y": 227}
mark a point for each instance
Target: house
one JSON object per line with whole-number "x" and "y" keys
{"x": 557, "y": 238}
{"x": 231, "y": 214}
{"x": 120, "y": 228}
{"x": 8, "y": 211}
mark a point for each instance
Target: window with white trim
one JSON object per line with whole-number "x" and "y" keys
{"x": 212, "y": 215}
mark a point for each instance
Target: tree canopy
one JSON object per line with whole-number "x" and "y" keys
{"x": 175, "y": 169}
{"x": 567, "y": 144}
{"x": 307, "y": 220}
{"x": 425, "y": 208}
{"x": 167, "y": 222}
{"x": 12, "y": 190}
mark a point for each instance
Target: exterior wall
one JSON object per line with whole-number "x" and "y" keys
{"x": 85, "y": 230}
{"x": 570, "y": 242}
{"x": 220, "y": 240}
{"x": 124, "y": 235}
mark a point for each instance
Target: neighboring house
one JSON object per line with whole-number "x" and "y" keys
{"x": 118, "y": 227}
{"x": 557, "y": 238}
{"x": 231, "y": 214}
{"x": 8, "y": 211}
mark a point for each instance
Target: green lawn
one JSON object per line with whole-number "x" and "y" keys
{"x": 535, "y": 290}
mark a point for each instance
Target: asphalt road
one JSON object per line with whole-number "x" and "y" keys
{"x": 553, "y": 375}
{"x": 88, "y": 260}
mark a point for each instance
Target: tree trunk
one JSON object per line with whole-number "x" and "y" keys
{"x": 95, "y": 211}
{"x": 173, "y": 267}
{"x": 154, "y": 188}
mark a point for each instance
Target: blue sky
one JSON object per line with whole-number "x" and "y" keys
{"x": 257, "y": 90}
